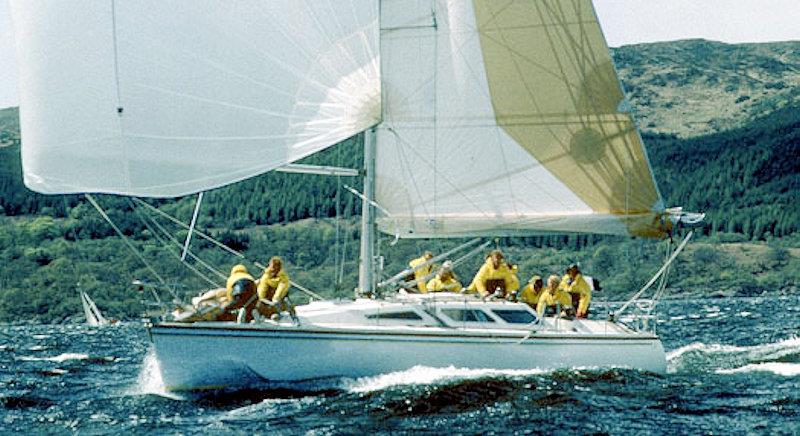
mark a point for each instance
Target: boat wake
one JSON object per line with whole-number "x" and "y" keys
{"x": 781, "y": 358}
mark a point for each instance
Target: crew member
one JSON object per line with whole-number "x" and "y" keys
{"x": 495, "y": 277}
{"x": 421, "y": 272}
{"x": 532, "y": 291}
{"x": 554, "y": 296}
{"x": 445, "y": 280}
{"x": 240, "y": 291}
{"x": 273, "y": 287}
{"x": 579, "y": 290}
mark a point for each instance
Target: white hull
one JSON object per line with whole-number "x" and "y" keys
{"x": 215, "y": 355}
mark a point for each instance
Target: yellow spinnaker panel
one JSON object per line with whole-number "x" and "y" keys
{"x": 554, "y": 90}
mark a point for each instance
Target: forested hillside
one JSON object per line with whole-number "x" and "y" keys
{"x": 745, "y": 176}
{"x": 747, "y": 180}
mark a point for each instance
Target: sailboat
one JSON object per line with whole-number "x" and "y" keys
{"x": 478, "y": 119}
{"x": 93, "y": 315}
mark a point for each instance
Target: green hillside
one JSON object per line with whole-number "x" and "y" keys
{"x": 747, "y": 180}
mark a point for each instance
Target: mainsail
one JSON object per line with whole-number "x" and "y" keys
{"x": 166, "y": 98}
{"x": 506, "y": 117}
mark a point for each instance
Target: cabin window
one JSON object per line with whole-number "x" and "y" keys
{"x": 467, "y": 315}
{"x": 515, "y": 316}
{"x": 395, "y": 315}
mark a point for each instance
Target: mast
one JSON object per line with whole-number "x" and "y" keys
{"x": 366, "y": 279}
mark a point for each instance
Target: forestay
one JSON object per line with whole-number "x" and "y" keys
{"x": 166, "y": 98}
{"x": 506, "y": 117}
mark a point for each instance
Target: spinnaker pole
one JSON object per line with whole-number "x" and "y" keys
{"x": 366, "y": 271}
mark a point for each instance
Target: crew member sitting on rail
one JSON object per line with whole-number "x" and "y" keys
{"x": 422, "y": 272}
{"x": 495, "y": 277}
{"x": 240, "y": 293}
{"x": 532, "y": 291}
{"x": 445, "y": 280}
{"x": 580, "y": 291}
{"x": 273, "y": 287}
{"x": 554, "y": 297}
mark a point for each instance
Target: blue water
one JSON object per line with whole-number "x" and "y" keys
{"x": 734, "y": 367}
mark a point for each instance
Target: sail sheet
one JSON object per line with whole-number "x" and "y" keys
{"x": 165, "y": 98}
{"x": 503, "y": 118}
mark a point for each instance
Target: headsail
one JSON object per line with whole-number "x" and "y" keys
{"x": 505, "y": 118}
{"x": 154, "y": 98}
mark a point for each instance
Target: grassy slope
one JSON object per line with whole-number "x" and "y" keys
{"x": 697, "y": 87}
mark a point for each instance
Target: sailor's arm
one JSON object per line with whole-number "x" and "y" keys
{"x": 282, "y": 289}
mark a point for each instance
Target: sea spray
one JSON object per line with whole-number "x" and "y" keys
{"x": 149, "y": 381}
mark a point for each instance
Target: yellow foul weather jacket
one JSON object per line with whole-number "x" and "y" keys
{"x": 437, "y": 285}
{"x": 551, "y": 298}
{"x": 237, "y": 273}
{"x": 275, "y": 288}
{"x": 578, "y": 286}
{"x": 529, "y": 296}
{"x": 489, "y": 272}
{"x": 420, "y": 274}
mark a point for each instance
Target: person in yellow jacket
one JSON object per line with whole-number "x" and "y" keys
{"x": 580, "y": 291}
{"x": 420, "y": 273}
{"x": 240, "y": 292}
{"x": 495, "y": 275}
{"x": 532, "y": 291}
{"x": 553, "y": 296}
{"x": 273, "y": 287}
{"x": 445, "y": 280}
{"x": 220, "y": 304}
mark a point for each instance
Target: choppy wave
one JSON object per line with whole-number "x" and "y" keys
{"x": 698, "y": 357}
{"x": 779, "y": 368}
{"x": 59, "y": 359}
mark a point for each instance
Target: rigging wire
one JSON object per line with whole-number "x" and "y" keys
{"x": 656, "y": 276}
{"x": 221, "y": 245}
{"x": 167, "y": 235}
{"x": 129, "y": 244}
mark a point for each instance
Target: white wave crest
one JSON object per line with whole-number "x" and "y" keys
{"x": 424, "y": 375}
{"x": 700, "y": 357}
{"x": 778, "y": 368}
{"x": 60, "y": 358}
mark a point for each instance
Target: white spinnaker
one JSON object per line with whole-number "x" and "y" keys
{"x": 445, "y": 164}
{"x": 210, "y": 92}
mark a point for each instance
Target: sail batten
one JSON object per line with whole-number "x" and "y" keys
{"x": 162, "y": 99}
{"x": 505, "y": 118}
